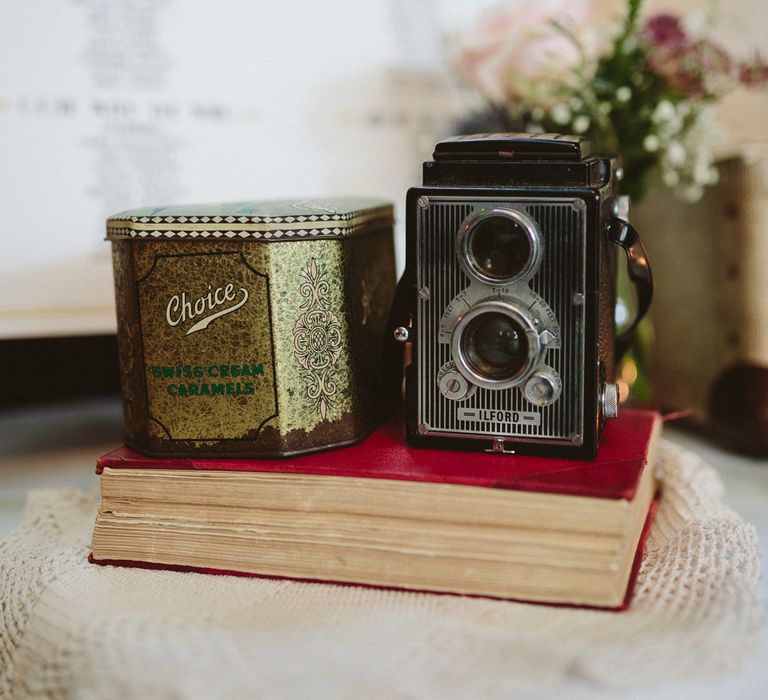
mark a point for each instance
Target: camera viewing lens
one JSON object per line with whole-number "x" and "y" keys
{"x": 495, "y": 346}
{"x": 500, "y": 247}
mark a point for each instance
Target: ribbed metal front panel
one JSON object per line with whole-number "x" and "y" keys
{"x": 560, "y": 277}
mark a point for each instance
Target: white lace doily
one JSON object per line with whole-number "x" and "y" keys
{"x": 72, "y": 629}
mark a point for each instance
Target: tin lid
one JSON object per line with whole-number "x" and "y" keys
{"x": 281, "y": 219}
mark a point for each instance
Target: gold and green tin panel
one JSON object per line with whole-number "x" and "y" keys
{"x": 248, "y": 348}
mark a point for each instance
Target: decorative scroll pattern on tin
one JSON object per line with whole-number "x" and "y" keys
{"x": 317, "y": 340}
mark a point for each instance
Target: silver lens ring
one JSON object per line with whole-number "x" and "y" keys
{"x": 477, "y": 224}
{"x": 515, "y": 313}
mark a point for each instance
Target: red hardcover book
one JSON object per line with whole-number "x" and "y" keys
{"x": 385, "y": 514}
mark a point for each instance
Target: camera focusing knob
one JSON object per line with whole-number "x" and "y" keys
{"x": 609, "y": 400}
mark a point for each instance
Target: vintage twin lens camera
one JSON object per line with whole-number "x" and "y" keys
{"x": 509, "y": 292}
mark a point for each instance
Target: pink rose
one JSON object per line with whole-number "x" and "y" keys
{"x": 515, "y": 53}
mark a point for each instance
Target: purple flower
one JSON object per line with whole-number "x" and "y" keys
{"x": 754, "y": 73}
{"x": 698, "y": 69}
{"x": 665, "y": 30}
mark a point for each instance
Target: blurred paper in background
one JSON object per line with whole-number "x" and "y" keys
{"x": 109, "y": 105}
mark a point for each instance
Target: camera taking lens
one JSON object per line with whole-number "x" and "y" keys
{"x": 495, "y": 346}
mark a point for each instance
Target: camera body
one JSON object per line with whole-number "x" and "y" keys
{"x": 508, "y": 295}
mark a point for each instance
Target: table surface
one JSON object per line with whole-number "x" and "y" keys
{"x": 55, "y": 446}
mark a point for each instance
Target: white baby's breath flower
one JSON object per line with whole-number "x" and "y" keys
{"x": 670, "y": 177}
{"x": 561, "y": 114}
{"x": 696, "y": 22}
{"x": 701, "y": 171}
{"x": 675, "y": 154}
{"x": 670, "y": 129}
{"x": 623, "y": 94}
{"x": 651, "y": 143}
{"x": 688, "y": 157}
{"x": 581, "y": 124}
{"x": 664, "y": 111}
{"x": 692, "y": 193}
{"x": 605, "y": 107}
{"x": 576, "y": 103}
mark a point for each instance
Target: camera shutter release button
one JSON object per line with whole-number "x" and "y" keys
{"x": 610, "y": 400}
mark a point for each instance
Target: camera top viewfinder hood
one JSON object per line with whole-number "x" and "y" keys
{"x": 517, "y": 147}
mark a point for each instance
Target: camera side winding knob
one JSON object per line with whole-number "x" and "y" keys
{"x": 609, "y": 400}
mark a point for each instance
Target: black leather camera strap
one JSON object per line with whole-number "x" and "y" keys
{"x": 639, "y": 272}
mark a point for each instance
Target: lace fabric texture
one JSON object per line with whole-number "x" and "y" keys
{"x": 72, "y": 629}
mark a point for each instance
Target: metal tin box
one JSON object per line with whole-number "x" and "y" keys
{"x": 252, "y": 329}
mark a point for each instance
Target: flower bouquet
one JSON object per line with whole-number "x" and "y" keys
{"x": 645, "y": 93}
